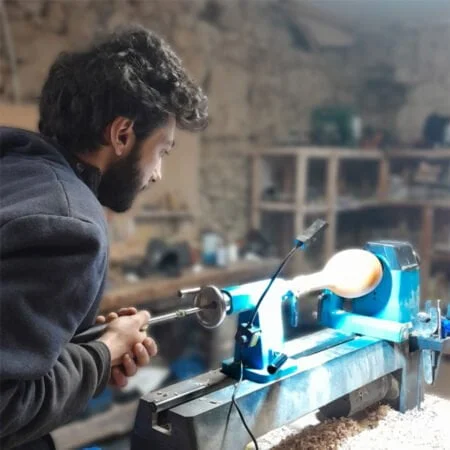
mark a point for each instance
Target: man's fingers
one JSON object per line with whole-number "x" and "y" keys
{"x": 118, "y": 377}
{"x": 142, "y": 317}
{"x": 150, "y": 345}
{"x": 129, "y": 311}
{"x": 100, "y": 319}
{"x": 129, "y": 366}
{"x": 141, "y": 354}
{"x": 111, "y": 316}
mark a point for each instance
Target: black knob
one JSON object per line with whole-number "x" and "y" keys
{"x": 277, "y": 362}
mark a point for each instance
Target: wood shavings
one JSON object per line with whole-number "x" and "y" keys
{"x": 378, "y": 428}
{"x": 329, "y": 434}
{"x": 416, "y": 429}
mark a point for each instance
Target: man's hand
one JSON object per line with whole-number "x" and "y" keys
{"x": 114, "y": 315}
{"x": 140, "y": 354}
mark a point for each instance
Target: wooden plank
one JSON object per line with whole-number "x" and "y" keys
{"x": 357, "y": 205}
{"x": 148, "y": 216}
{"x": 332, "y": 198}
{"x": 321, "y": 152}
{"x": 277, "y": 206}
{"x": 256, "y": 191}
{"x": 360, "y": 205}
{"x": 301, "y": 186}
{"x": 419, "y": 154}
{"x": 356, "y": 153}
{"x": 157, "y": 288}
{"x": 384, "y": 172}
{"x": 288, "y": 189}
{"x": 315, "y": 208}
{"x": 360, "y": 154}
{"x": 426, "y": 248}
{"x": 435, "y": 203}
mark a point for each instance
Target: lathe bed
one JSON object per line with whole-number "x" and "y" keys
{"x": 195, "y": 414}
{"x": 378, "y": 347}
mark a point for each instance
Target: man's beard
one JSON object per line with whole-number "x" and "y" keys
{"x": 121, "y": 183}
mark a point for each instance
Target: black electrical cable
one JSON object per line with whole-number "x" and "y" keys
{"x": 317, "y": 226}
{"x": 233, "y": 402}
{"x": 250, "y": 323}
{"x": 274, "y": 276}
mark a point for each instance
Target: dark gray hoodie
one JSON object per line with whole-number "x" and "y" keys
{"x": 54, "y": 253}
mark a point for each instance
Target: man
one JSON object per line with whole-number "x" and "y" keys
{"x": 107, "y": 118}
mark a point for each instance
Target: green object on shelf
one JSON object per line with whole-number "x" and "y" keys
{"x": 335, "y": 126}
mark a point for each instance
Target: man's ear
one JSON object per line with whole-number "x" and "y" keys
{"x": 120, "y": 136}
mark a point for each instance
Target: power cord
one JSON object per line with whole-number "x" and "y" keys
{"x": 233, "y": 402}
{"x": 302, "y": 241}
{"x": 250, "y": 323}
{"x": 274, "y": 276}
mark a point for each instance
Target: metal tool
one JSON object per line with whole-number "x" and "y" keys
{"x": 210, "y": 306}
{"x": 369, "y": 351}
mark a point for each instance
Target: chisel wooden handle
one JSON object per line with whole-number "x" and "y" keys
{"x": 90, "y": 334}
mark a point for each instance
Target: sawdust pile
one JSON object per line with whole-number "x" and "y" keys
{"x": 417, "y": 429}
{"x": 379, "y": 428}
{"x": 330, "y": 434}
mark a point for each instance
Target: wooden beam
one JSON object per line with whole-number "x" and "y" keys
{"x": 426, "y": 249}
{"x": 384, "y": 172}
{"x": 354, "y": 154}
{"x": 332, "y": 199}
{"x": 256, "y": 191}
{"x": 301, "y": 188}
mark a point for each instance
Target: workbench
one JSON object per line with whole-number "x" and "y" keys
{"x": 149, "y": 291}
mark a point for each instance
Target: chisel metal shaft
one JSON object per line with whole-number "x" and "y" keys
{"x": 97, "y": 330}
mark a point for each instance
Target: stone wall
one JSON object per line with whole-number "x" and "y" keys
{"x": 403, "y": 75}
{"x": 260, "y": 70}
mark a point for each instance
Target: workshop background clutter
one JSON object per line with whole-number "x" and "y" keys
{"x": 356, "y": 91}
{"x": 282, "y": 59}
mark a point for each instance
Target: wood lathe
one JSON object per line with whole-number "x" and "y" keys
{"x": 375, "y": 345}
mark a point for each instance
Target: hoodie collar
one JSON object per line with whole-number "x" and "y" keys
{"x": 34, "y": 143}
{"x": 89, "y": 174}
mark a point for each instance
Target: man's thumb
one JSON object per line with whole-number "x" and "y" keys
{"x": 143, "y": 317}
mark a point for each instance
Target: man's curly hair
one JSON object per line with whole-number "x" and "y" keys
{"x": 131, "y": 73}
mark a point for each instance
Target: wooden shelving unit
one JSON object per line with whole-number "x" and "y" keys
{"x": 300, "y": 210}
{"x": 149, "y": 215}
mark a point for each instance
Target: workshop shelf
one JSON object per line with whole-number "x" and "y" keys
{"x": 275, "y": 206}
{"x": 326, "y": 201}
{"x": 146, "y": 216}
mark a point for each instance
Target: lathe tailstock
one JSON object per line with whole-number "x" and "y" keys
{"x": 378, "y": 346}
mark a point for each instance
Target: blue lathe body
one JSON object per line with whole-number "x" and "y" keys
{"x": 377, "y": 347}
